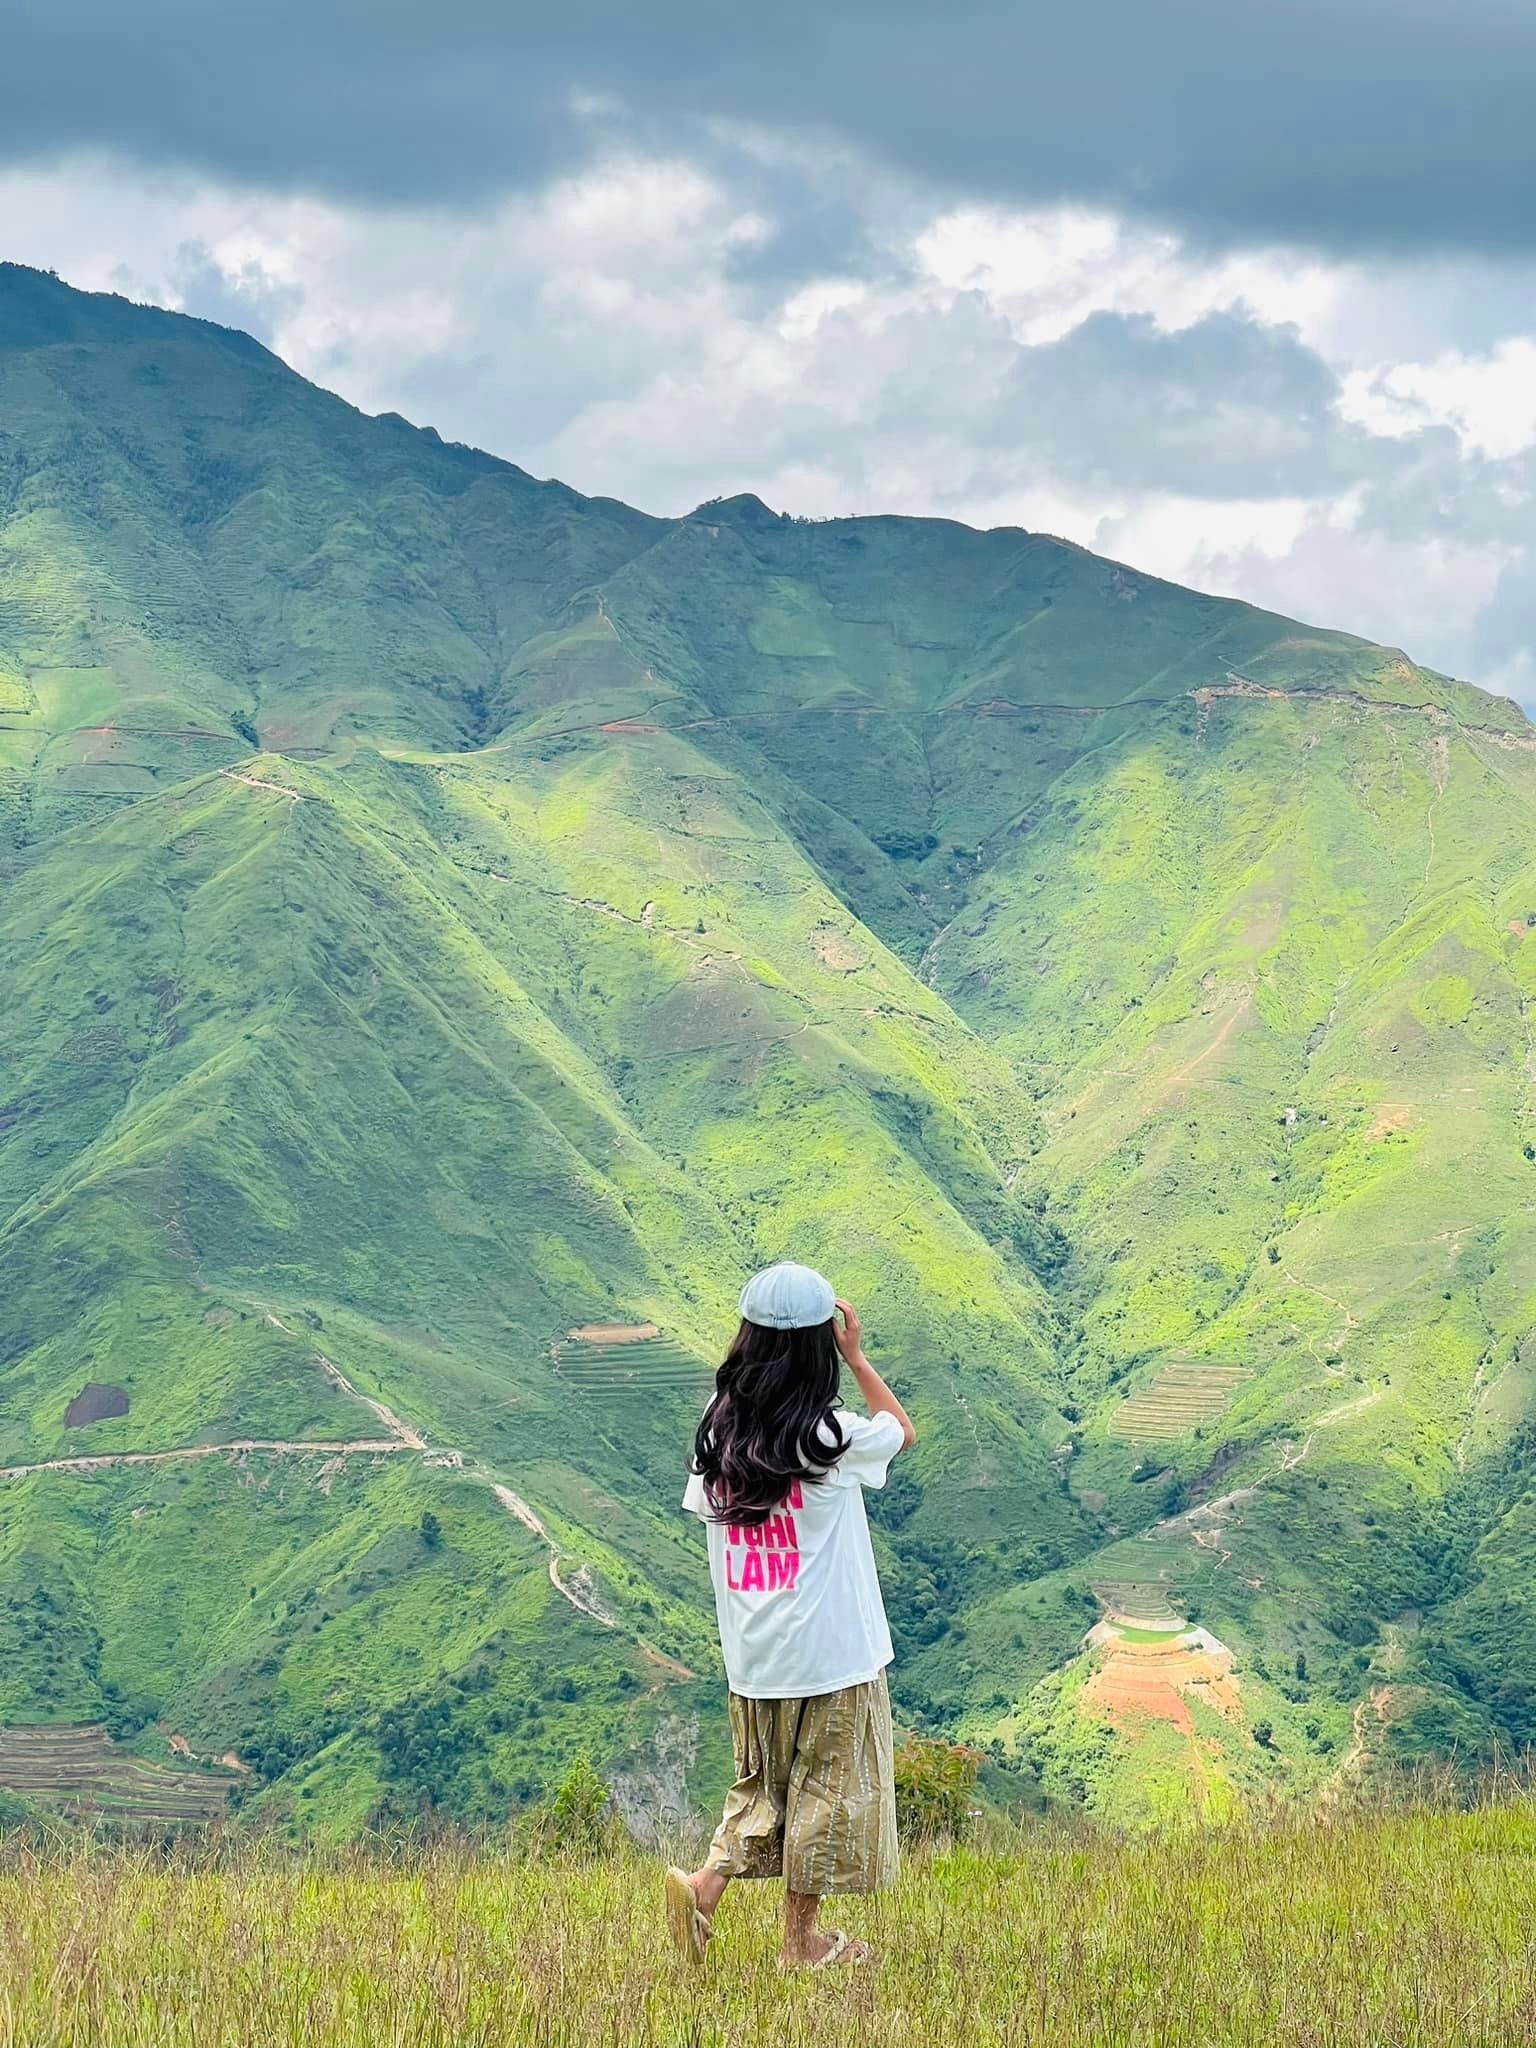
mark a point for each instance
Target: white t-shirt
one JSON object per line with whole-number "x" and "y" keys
{"x": 799, "y": 1598}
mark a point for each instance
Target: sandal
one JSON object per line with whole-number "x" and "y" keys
{"x": 689, "y": 1928}
{"x": 843, "y": 1952}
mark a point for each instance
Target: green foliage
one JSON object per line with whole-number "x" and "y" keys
{"x": 935, "y": 1788}
{"x": 125, "y": 1717}
{"x": 422, "y": 1746}
{"x": 576, "y": 1818}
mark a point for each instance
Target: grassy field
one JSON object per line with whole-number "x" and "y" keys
{"x": 1401, "y": 1930}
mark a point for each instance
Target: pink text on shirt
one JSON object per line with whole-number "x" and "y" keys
{"x": 765, "y": 1558}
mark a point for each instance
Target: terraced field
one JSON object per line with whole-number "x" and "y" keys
{"x": 1180, "y": 1399}
{"x": 80, "y": 1770}
{"x": 639, "y": 1359}
{"x": 1145, "y": 1580}
{"x": 1142, "y": 1601}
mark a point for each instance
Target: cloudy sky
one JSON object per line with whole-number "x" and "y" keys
{"x": 1244, "y": 295}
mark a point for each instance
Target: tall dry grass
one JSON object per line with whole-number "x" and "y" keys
{"x": 1356, "y": 1929}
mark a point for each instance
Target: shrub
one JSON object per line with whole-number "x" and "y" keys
{"x": 906, "y": 845}
{"x": 575, "y": 1820}
{"x": 125, "y": 1718}
{"x": 935, "y": 1782}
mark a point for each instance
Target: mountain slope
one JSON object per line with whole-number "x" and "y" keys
{"x": 454, "y": 929}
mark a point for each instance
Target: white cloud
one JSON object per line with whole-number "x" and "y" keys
{"x": 1425, "y": 595}
{"x": 1489, "y": 399}
{"x": 1047, "y": 271}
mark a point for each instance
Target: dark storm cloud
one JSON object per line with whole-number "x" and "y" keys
{"x": 1224, "y": 408}
{"x": 806, "y": 236}
{"x": 1345, "y": 124}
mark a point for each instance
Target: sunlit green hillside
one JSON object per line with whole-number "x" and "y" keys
{"x": 453, "y": 929}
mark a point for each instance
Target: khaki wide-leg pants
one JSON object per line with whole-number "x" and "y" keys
{"x": 814, "y": 1799}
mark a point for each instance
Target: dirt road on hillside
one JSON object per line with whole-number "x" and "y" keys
{"x": 405, "y": 1439}
{"x": 255, "y": 782}
{"x": 357, "y": 1446}
{"x": 578, "y": 1594}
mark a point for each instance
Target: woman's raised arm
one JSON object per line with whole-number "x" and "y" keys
{"x": 878, "y": 1397}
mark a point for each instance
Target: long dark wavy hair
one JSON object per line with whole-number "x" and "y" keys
{"x": 772, "y": 1420}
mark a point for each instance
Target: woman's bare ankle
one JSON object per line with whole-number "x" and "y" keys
{"x": 805, "y": 1948}
{"x": 708, "y": 1888}
{"x": 820, "y": 1947}
{"x": 803, "y": 1941}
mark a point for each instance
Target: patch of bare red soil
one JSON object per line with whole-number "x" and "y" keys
{"x": 1160, "y": 1679}
{"x": 1392, "y": 1116}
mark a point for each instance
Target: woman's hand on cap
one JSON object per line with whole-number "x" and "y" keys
{"x": 847, "y": 1332}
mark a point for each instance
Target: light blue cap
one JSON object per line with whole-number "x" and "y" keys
{"x": 788, "y": 1297}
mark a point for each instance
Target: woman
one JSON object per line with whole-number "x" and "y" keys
{"x": 777, "y": 1474}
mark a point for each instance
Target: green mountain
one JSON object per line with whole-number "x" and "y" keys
{"x": 454, "y": 928}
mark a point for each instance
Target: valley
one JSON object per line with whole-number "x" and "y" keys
{"x": 454, "y": 929}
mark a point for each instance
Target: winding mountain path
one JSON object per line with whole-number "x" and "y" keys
{"x": 1235, "y": 1016}
{"x": 255, "y": 782}
{"x": 404, "y": 1439}
{"x": 359, "y": 1446}
{"x": 408, "y": 1438}
{"x": 577, "y": 1592}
